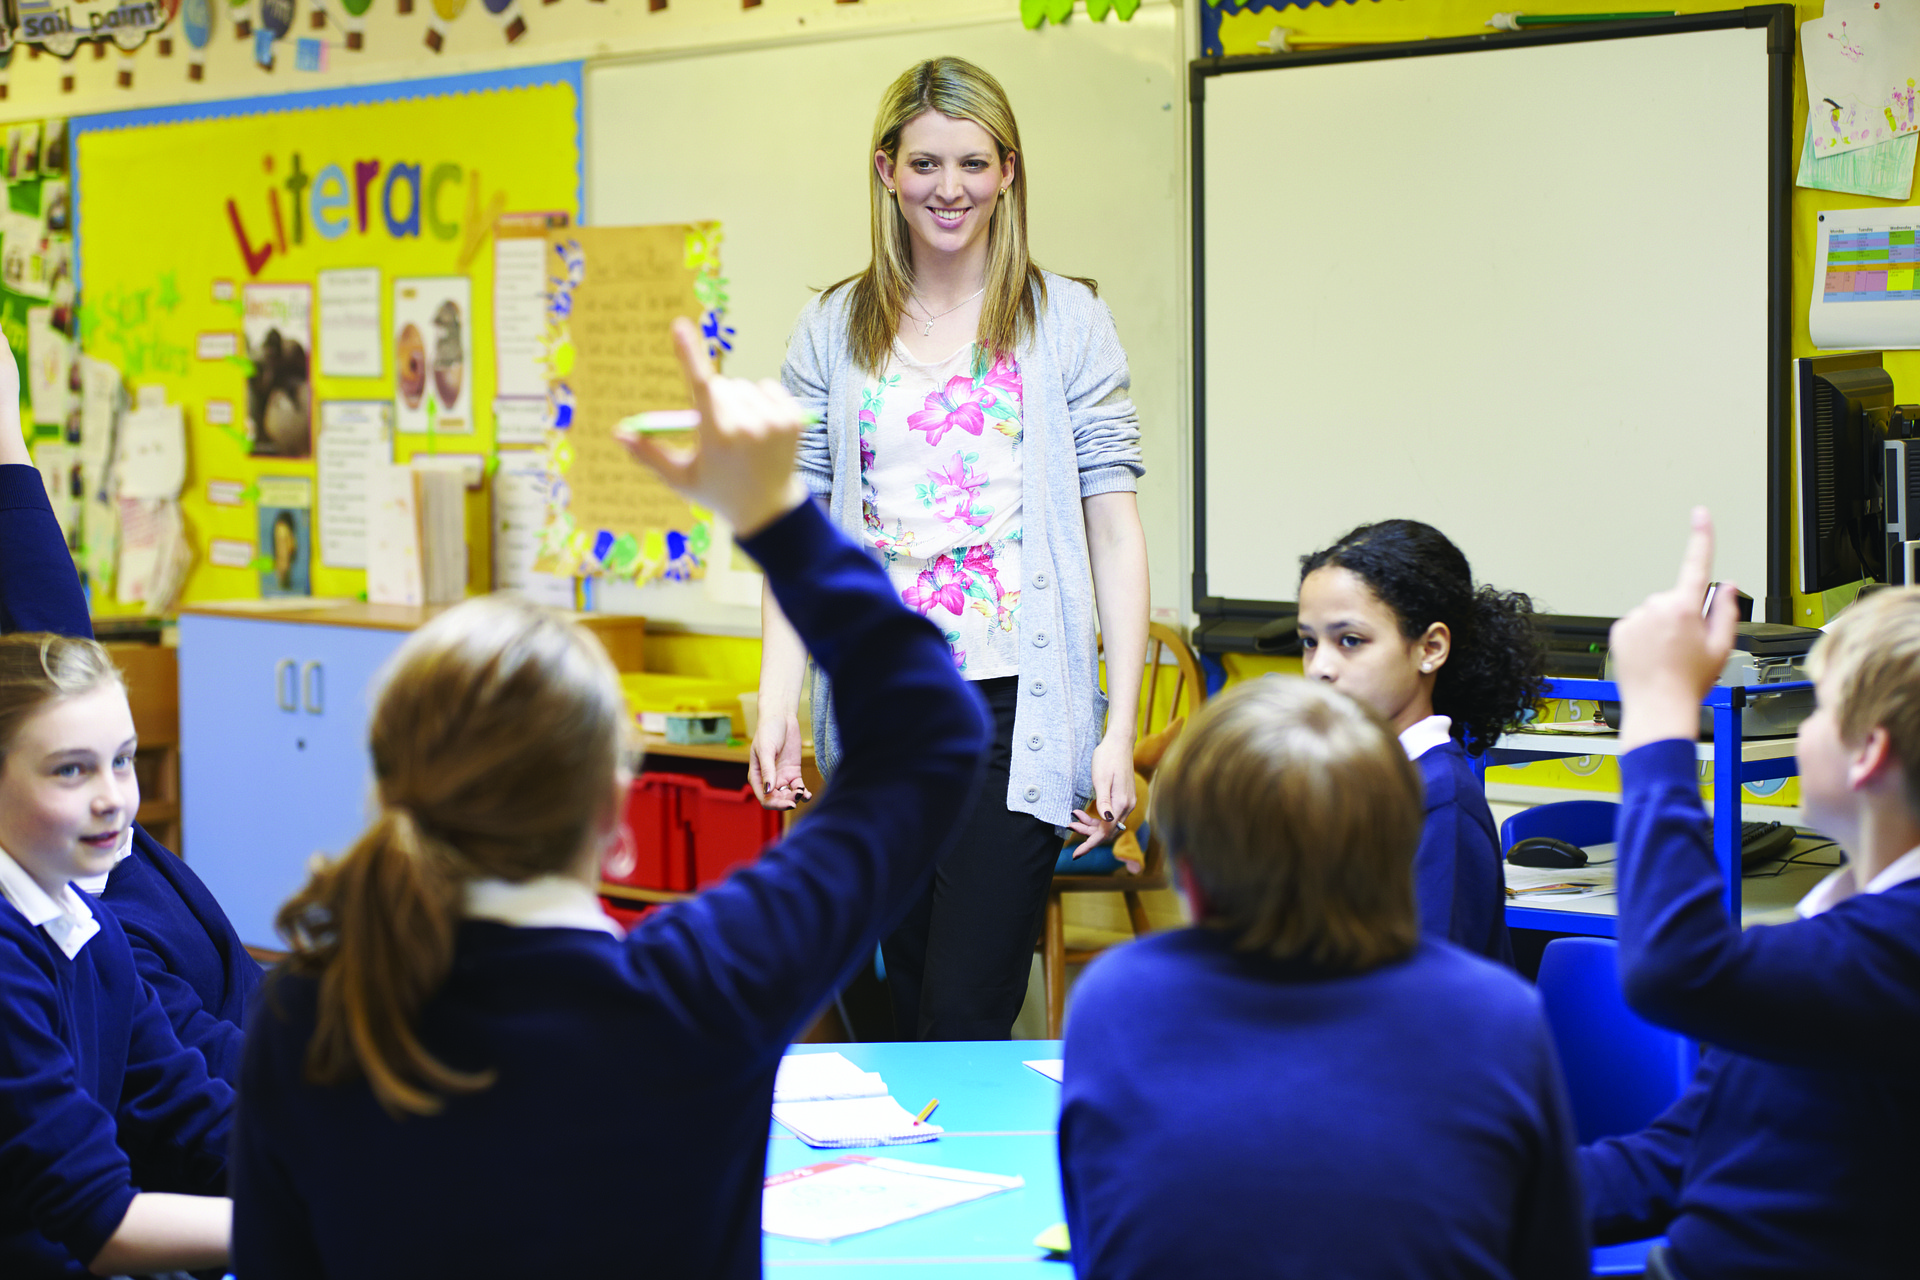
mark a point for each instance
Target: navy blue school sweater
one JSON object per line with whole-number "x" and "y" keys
{"x": 1457, "y": 876}
{"x": 182, "y": 941}
{"x": 627, "y": 1129}
{"x": 1233, "y": 1115}
{"x": 97, "y": 1099}
{"x": 1792, "y": 1153}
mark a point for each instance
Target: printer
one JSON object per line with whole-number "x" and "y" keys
{"x": 1763, "y": 653}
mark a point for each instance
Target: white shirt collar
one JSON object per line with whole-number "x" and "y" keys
{"x": 1418, "y": 739}
{"x": 67, "y": 919}
{"x": 97, "y": 885}
{"x": 544, "y": 902}
{"x": 1838, "y": 887}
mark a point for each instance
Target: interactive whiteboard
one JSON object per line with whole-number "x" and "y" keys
{"x": 1519, "y": 289}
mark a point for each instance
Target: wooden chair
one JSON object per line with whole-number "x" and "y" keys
{"x": 1156, "y": 713}
{"x": 153, "y": 695}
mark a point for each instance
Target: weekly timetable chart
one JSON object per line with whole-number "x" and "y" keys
{"x": 1867, "y": 279}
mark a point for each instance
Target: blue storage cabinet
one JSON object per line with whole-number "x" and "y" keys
{"x": 273, "y": 752}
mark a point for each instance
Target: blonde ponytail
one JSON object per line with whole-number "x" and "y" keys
{"x": 496, "y": 743}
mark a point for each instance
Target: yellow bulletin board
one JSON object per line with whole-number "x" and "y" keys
{"x": 201, "y": 227}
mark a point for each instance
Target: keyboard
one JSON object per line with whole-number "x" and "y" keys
{"x": 1764, "y": 842}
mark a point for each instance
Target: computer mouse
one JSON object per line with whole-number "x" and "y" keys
{"x": 1545, "y": 851}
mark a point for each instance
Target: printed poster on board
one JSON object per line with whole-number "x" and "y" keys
{"x": 277, "y": 322}
{"x": 433, "y": 354}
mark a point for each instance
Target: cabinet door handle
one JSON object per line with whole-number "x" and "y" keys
{"x": 284, "y": 692}
{"x": 313, "y": 685}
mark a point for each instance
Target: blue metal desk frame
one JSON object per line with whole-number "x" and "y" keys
{"x": 1729, "y": 772}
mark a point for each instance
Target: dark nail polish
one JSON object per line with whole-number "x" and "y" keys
{"x": 1108, "y": 817}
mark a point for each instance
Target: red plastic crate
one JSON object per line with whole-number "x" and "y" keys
{"x": 726, "y": 827}
{"x": 654, "y": 849}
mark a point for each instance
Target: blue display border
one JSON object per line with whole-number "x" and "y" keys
{"x": 567, "y": 73}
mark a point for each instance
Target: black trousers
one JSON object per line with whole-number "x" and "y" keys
{"x": 957, "y": 965}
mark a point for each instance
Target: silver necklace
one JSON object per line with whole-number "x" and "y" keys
{"x": 926, "y": 332}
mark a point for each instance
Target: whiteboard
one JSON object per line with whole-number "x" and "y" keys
{"x": 1520, "y": 293}
{"x": 772, "y": 141}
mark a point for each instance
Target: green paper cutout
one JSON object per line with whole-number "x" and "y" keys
{"x": 624, "y": 554}
{"x": 1033, "y": 13}
{"x": 236, "y": 435}
{"x": 241, "y": 363}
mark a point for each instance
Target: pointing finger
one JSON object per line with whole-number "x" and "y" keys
{"x": 1696, "y": 566}
{"x": 695, "y": 362}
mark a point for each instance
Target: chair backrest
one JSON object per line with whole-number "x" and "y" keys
{"x": 1166, "y": 697}
{"x": 1621, "y": 1070}
{"x": 1581, "y": 822}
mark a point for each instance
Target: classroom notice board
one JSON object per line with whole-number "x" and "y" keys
{"x": 323, "y": 249}
{"x": 1531, "y": 289}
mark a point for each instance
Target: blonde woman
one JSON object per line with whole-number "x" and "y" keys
{"x": 977, "y": 436}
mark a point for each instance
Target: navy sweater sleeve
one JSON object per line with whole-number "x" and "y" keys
{"x": 39, "y": 587}
{"x": 1830, "y": 991}
{"x": 1457, "y": 876}
{"x": 1633, "y": 1181}
{"x": 751, "y": 959}
{"x": 60, "y": 1166}
{"x": 174, "y": 1115}
{"x": 185, "y": 947}
{"x": 272, "y": 1222}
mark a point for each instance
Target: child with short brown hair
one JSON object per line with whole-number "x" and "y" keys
{"x": 1303, "y": 1084}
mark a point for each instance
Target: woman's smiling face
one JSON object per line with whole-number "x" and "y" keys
{"x": 948, "y": 176}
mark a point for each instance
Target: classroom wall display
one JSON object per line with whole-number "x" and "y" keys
{"x": 355, "y": 221}
{"x": 612, "y": 293}
{"x": 60, "y": 26}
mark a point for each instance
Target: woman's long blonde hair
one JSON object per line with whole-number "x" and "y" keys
{"x": 1016, "y": 289}
{"x": 496, "y": 741}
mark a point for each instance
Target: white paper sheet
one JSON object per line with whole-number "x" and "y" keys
{"x": 350, "y": 332}
{"x": 1866, "y": 290}
{"x": 864, "y": 1193}
{"x": 49, "y": 362}
{"x": 1862, "y": 61}
{"x": 520, "y": 421}
{"x": 152, "y": 461}
{"x": 816, "y": 1077}
{"x": 854, "y": 1122}
{"x": 355, "y": 437}
{"x": 394, "y": 569}
{"x": 520, "y": 490}
{"x": 1053, "y": 1069}
{"x": 519, "y": 316}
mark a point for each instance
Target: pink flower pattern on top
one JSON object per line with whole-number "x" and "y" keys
{"x": 950, "y": 545}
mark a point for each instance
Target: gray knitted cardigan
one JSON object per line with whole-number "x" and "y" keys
{"x": 1079, "y": 437}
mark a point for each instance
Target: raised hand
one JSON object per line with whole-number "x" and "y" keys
{"x": 1666, "y": 655}
{"x": 741, "y": 464}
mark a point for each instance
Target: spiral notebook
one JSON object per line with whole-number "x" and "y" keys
{"x": 854, "y": 1122}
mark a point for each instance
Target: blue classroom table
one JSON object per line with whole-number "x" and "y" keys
{"x": 1000, "y": 1117}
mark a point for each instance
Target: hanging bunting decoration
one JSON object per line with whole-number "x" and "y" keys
{"x": 309, "y": 54}
{"x": 263, "y": 48}
{"x": 1035, "y": 12}
{"x": 507, "y": 14}
{"x": 444, "y": 13}
{"x": 196, "y": 24}
{"x": 241, "y": 11}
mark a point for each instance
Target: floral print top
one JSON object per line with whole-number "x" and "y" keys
{"x": 940, "y": 493}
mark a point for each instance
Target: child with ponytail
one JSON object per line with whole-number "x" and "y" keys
{"x": 100, "y": 1104}
{"x": 183, "y": 944}
{"x": 1390, "y": 615}
{"x": 463, "y": 1068}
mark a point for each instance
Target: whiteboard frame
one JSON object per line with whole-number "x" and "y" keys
{"x": 1230, "y": 624}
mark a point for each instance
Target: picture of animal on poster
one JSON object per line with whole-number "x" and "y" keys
{"x": 433, "y": 354}
{"x": 278, "y": 326}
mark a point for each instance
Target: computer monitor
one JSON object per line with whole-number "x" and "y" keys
{"x": 1842, "y": 405}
